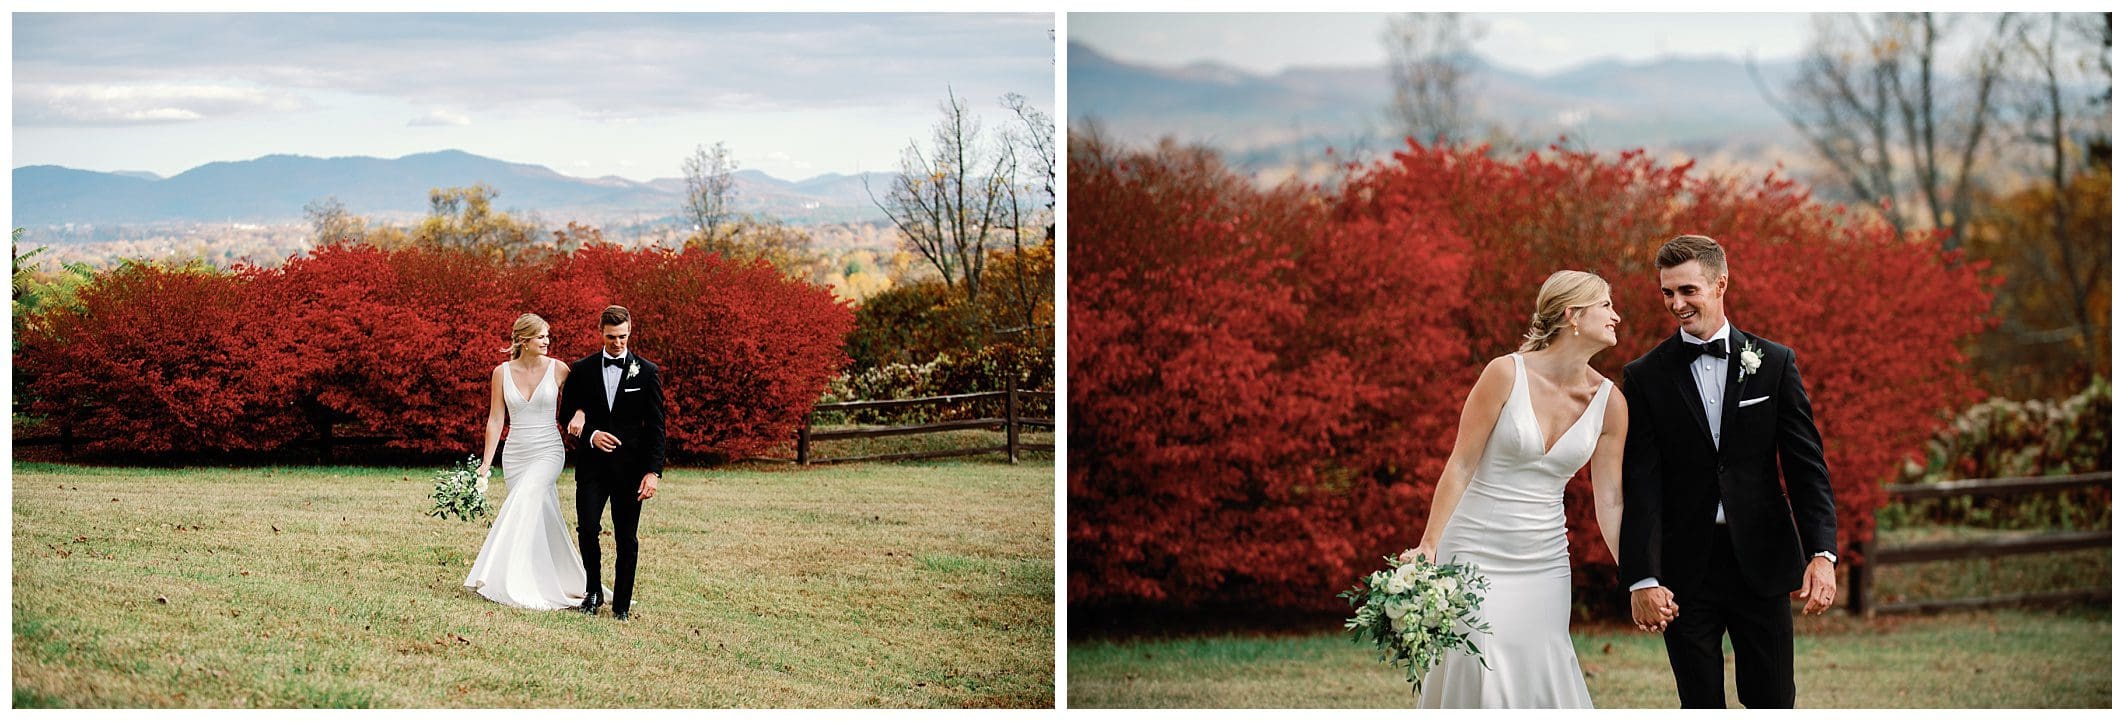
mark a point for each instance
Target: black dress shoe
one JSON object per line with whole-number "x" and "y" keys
{"x": 591, "y": 603}
{"x": 619, "y": 615}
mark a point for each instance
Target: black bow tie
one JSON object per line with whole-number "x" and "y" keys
{"x": 622, "y": 362}
{"x": 1715, "y": 348}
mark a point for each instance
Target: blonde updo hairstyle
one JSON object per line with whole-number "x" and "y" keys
{"x": 527, "y": 327}
{"x": 1563, "y": 292}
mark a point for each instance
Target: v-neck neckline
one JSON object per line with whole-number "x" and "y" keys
{"x": 1527, "y": 396}
{"x": 520, "y": 394}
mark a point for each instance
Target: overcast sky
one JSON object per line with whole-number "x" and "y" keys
{"x": 585, "y": 94}
{"x": 1534, "y": 42}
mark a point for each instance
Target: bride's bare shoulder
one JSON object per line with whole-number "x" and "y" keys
{"x": 1497, "y": 376}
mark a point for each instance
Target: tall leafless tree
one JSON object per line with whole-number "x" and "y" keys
{"x": 948, "y": 200}
{"x": 1874, "y": 102}
{"x": 710, "y": 191}
{"x": 2055, "y": 260}
{"x": 1031, "y": 147}
{"x": 1430, "y": 62}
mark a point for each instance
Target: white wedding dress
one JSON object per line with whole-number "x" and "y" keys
{"x": 530, "y": 559}
{"x": 1510, "y": 524}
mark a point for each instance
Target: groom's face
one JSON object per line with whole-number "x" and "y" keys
{"x": 616, "y": 339}
{"x": 1695, "y": 299}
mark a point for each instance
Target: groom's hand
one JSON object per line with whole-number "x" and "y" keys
{"x": 604, "y": 441}
{"x": 648, "y": 489}
{"x": 1818, "y": 586}
{"x": 1652, "y": 608}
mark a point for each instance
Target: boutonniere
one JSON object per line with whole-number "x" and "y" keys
{"x": 633, "y": 368}
{"x": 1751, "y": 358}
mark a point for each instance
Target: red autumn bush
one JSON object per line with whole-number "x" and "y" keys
{"x": 166, "y": 361}
{"x": 744, "y": 350}
{"x": 400, "y": 344}
{"x": 1418, "y": 270}
{"x": 1845, "y": 293}
{"x": 1238, "y": 380}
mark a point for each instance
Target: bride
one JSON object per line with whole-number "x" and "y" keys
{"x": 1534, "y": 418}
{"x": 529, "y": 559}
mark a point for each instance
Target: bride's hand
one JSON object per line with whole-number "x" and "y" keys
{"x": 1427, "y": 552}
{"x": 483, "y": 470}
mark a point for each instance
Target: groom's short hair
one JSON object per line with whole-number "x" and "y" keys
{"x": 614, "y": 315}
{"x": 1702, "y": 249}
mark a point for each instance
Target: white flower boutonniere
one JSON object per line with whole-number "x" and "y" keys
{"x": 1751, "y": 358}
{"x": 633, "y": 368}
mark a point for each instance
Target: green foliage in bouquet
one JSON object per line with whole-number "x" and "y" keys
{"x": 1416, "y": 611}
{"x": 459, "y": 491}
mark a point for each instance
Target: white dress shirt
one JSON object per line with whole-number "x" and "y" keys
{"x": 1709, "y": 372}
{"x": 612, "y": 378}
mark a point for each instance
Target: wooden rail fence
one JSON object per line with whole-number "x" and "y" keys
{"x": 1872, "y": 557}
{"x": 1010, "y": 423}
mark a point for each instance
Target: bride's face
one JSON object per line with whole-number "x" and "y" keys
{"x": 541, "y": 342}
{"x": 1599, "y": 320}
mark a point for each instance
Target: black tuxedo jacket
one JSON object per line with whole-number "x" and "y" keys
{"x": 1674, "y": 477}
{"x": 636, "y": 417}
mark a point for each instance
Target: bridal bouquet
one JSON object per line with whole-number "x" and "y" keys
{"x": 1416, "y": 611}
{"x": 460, "y": 491}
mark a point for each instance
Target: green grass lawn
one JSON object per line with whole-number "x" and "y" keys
{"x": 1999, "y": 659}
{"x": 903, "y": 585}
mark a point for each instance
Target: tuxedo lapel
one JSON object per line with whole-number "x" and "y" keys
{"x": 1731, "y": 407}
{"x": 1679, "y": 356}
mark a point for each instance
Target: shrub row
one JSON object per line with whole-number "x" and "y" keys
{"x": 1265, "y": 383}
{"x": 155, "y": 360}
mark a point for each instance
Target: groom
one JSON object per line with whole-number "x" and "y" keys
{"x": 1709, "y": 536}
{"x": 619, "y": 415}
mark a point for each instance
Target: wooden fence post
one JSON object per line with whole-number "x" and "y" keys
{"x": 1010, "y": 417}
{"x": 804, "y": 440}
{"x": 1862, "y": 577}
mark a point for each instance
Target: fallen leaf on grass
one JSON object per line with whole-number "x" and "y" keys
{"x": 162, "y": 599}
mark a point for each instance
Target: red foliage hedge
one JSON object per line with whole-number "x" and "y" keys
{"x": 1264, "y": 384}
{"x": 399, "y": 343}
{"x": 162, "y": 360}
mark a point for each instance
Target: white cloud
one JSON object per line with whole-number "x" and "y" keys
{"x": 615, "y": 66}
{"x": 115, "y": 104}
{"x": 440, "y": 117}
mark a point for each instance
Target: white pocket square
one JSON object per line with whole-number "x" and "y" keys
{"x": 631, "y": 390}
{"x": 1753, "y": 401}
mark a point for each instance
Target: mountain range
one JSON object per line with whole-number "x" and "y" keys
{"x": 275, "y": 188}
{"x": 1701, "y": 106}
